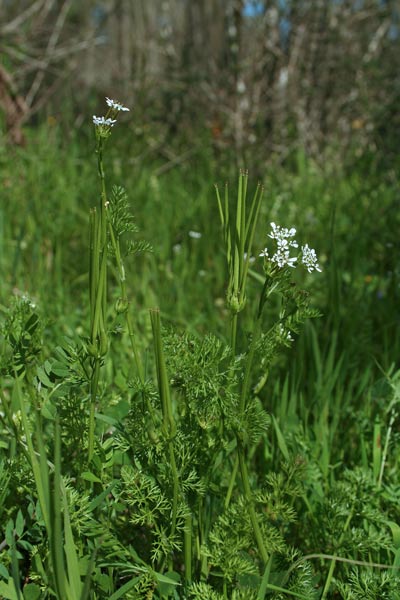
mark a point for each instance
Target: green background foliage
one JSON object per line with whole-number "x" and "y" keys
{"x": 321, "y": 435}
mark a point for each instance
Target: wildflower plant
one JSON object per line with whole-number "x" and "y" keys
{"x": 154, "y": 478}
{"x": 107, "y": 225}
{"x": 150, "y": 498}
{"x": 294, "y": 308}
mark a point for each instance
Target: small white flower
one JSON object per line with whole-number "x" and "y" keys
{"x": 115, "y": 105}
{"x": 282, "y": 236}
{"x": 196, "y": 235}
{"x": 102, "y": 121}
{"x": 309, "y": 259}
{"x": 282, "y": 255}
{"x": 284, "y": 242}
{"x": 282, "y": 258}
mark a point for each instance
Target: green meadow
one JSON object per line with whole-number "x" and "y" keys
{"x": 178, "y": 420}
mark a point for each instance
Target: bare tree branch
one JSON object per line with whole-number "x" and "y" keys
{"x": 16, "y": 23}
{"x": 37, "y": 82}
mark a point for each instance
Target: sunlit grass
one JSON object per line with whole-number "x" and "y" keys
{"x": 331, "y": 395}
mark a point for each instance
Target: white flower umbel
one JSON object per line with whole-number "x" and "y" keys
{"x": 116, "y": 105}
{"x": 282, "y": 258}
{"x": 103, "y": 122}
{"x": 309, "y": 259}
{"x": 282, "y": 236}
{"x": 284, "y": 239}
{"x": 284, "y": 242}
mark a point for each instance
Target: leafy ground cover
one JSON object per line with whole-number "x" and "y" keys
{"x": 176, "y": 421}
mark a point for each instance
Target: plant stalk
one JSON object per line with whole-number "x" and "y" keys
{"x": 169, "y": 426}
{"x": 250, "y": 503}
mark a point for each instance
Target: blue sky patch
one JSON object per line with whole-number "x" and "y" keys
{"x": 253, "y": 8}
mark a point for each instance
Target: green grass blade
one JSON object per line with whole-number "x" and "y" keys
{"x": 125, "y": 588}
{"x": 281, "y": 440}
{"x": 41, "y": 480}
{"x": 88, "y": 577}
{"x": 15, "y": 567}
{"x": 265, "y": 579}
{"x": 56, "y": 534}
{"x": 73, "y": 572}
{"x": 221, "y": 212}
{"x": 252, "y": 221}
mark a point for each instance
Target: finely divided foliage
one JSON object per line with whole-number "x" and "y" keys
{"x": 144, "y": 461}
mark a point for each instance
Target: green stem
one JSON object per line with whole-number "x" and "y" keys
{"x": 38, "y": 462}
{"x": 124, "y": 298}
{"x": 97, "y": 294}
{"x": 56, "y": 537}
{"x": 250, "y": 503}
{"x": 249, "y": 364}
{"x": 175, "y": 486}
{"x": 169, "y": 426}
{"x": 276, "y": 588}
{"x": 386, "y": 448}
{"x": 202, "y": 539}
{"x": 94, "y": 384}
{"x": 93, "y": 263}
{"x": 98, "y": 312}
{"x": 237, "y": 249}
{"x": 265, "y": 579}
{"x": 135, "y": 351}
{"x": 231, "y": 483}
{"x": 333, "y": 563}
{"x": 187, "y": 542}
{"x": 234, "y": 323}
{"x": 244, "y": 395}
{"x": 103, "y": 226}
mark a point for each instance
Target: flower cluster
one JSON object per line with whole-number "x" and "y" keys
{"x": 116, "y": 105}
{"x": 105, "y": 123}
{"x": 309, "y": 259}
{"x": 284, "y": 239}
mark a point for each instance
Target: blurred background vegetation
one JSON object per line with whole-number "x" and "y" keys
{"x": 260, "y": 78}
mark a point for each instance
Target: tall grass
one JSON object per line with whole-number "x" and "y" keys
{"x": 106, "y": 495}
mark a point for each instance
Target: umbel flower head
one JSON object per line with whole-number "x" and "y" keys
{"x": 103, "y": 121}
{"x": 284, "y": 239}
{"x": 309, "y": 259}
{"x": 115, "y": 105}
{"x": 103, "y": 124}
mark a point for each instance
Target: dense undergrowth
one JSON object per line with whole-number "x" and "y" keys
{"x": 126, "y": 478}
